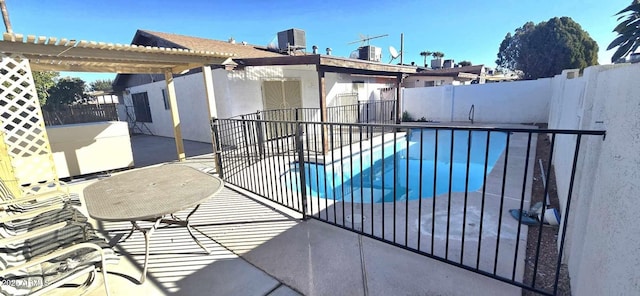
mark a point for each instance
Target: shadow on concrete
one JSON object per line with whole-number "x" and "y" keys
{"x": 151, "y": 150}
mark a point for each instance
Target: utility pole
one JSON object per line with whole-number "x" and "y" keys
{"x": 5, "y": 16}
{"x": 401, "y": 47}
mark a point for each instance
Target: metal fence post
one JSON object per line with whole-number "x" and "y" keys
{"x": 303, "y": 183}
{"x": 259, "y": 134}
{"x": 367, "y": 120}
{"x": 217, "y": 151}
{"x": 245, "y": 133}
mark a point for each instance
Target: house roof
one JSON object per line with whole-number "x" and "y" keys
{"x": 453, "y": 72}
{"x": 252, "y": 55}
{"x": 328, "y": 63}
{"x": 62, "y": 54}
{"x": 239, "y": 50}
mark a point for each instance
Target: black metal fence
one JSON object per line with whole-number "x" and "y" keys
{"x": 379, "y": 111}
{"x": 383, "y": 111}
{"x": 80, "y": 114}
{"x": 456, "y": 194}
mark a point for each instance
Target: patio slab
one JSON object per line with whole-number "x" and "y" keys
{"x": 260, "y": 248}
{"x": 332, "y": 261}
{"x": 177, "y": 265}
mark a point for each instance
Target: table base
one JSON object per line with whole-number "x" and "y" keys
{"x": 173, "y": 220}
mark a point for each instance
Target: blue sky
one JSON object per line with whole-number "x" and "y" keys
{"x": 462, "y": 29}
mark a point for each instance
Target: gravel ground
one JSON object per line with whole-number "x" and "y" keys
{"x": 548, "y": 254}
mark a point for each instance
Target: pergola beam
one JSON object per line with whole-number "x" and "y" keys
{"x": 84, "y": 49}
{"x": 175, "y": 117}
{"x": 98, "y": 68}
{"x": 53, "y": 54}
{"x": 212, "y": 111}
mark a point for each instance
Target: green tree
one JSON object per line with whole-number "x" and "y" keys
{"x": 44, "y": 81}
{"x": 628, "y": 30}
{"x": 425, "y": 54}
{"x": 437, "y": 54}
{"x": 101, "y": 85}
{"x": 545, "y": 49}
{"x": 464, "y": 63}
{"x": 67, "y": 91}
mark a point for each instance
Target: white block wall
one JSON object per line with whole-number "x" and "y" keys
{"x": 602, "y": 247}
{"x": 505, "y": 102}
{"x": 603, "y": 238}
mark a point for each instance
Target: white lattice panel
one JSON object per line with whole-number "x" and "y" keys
{"x": 22, "y": 122}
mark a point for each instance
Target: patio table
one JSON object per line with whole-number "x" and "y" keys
{"x": 151, "y": 194}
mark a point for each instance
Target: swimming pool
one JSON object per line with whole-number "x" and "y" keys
{"x": 405, "y": 169}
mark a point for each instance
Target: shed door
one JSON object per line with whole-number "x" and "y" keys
{"x": 285, "y": 96}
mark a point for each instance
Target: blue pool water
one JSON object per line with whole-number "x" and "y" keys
{"x": 369, "y": 176}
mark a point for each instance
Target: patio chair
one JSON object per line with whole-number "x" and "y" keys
{"x": 15, "y": 224}
{"x": 29, "y": 206}
{"x": 56, "y": 248}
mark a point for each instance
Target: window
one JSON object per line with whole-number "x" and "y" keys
{"x": 165, "y": 99}
{"x": 141, "y": 107}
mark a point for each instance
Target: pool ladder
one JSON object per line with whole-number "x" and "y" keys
{"x": 472, "y": 112}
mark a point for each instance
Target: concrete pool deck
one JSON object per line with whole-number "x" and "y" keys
{"x": 261, "y": 248}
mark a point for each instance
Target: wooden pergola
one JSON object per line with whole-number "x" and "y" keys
{"x": 61, "y": 54}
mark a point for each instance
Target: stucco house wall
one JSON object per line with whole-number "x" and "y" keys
{"x": 239, "y": 92}
{"x": 190, "y": 92}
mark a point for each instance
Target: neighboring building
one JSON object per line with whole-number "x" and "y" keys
{"x": 502, "y": 76}
{"x": 102, "y": 97}
{"x": 254, "y": 79}
{"x": 447, "y": 76}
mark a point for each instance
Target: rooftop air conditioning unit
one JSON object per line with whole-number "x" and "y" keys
{"x": 370, "y": 53}
{"x": 292, "y": 38}
{"x": 436, "y": 63}
{"x": 448, "y": 64}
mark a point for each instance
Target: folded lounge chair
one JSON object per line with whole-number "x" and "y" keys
{"x": 36, "y": 197}
{"x": 46, "y": 257}
{"x": 45, "y": 247}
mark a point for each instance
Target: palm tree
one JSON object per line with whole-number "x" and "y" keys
{"x": 437, "y": 54}
{"x": 628, "y": 30}
{"x": 425, "y": 54}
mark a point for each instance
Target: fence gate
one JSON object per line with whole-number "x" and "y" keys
{"x": 460, "y": 195}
